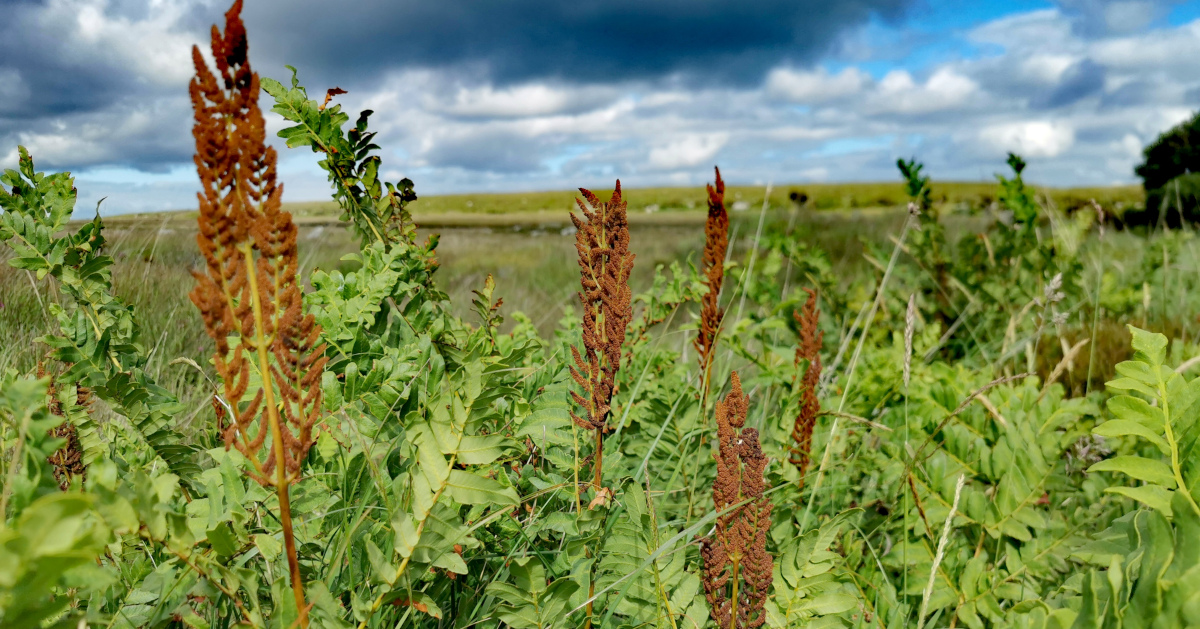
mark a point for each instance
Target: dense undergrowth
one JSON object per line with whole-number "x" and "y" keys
{"x": 965, "y": 435}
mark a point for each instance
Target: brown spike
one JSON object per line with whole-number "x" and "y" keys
{"x": 811, "y": 339}
{"x": 716, "y": 242}
{"x": 737, "y": 567}
{"x": 605, "y": 262}
{"x": 248, "y": 290}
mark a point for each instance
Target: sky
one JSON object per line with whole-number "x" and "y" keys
{"x": 487, "y": 95}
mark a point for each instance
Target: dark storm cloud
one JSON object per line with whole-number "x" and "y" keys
{"x": 580, "y": 40}
{"x": 486, "y": 152}
{"x": 54, "y": 82}
{"x": 1078, "y": 82}
{"x": 1094, "y": 18}
{"x": 76, "y": 64}
{"x": 78, "y": 83}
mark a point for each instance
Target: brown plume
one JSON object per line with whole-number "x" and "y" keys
{"x": 602, "y": 240}
{"x": 248, "y": 291}
{"x": 737, "y": 568}
{"x": 716, "y": 241}
{"x": 809, "y": 350}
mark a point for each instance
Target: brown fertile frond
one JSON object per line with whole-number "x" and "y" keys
{"x": 602, "y": 241}
{"x": 737, "y": 567}
{"x": 248, "y": 293}
{"x": 809, "y": 350}
{"x": 716, "y": 242}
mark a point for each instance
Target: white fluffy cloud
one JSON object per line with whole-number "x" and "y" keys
{"x": 1033, "y": 139}
{"x": 689, "y": 151}
{"x": 1074, "y": 105}
{"x": 815, "y": 86}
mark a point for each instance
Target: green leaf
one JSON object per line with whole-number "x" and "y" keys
{"x": 1151, "y": 346}
{"x": 1152, "y": 496}
{"x": 481, "y": 450}
{"x": 472, "y": 489}
{"x": 381, "y": 569}
{"x": 1125, "y": 427}
{"x": 223, "y": 540}
{"x": 1138, "y": 467}
{"x": 268, "y": 546}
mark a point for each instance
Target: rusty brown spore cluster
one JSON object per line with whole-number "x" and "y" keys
{"x": 811, "y": 340}
{"x": 737, "y": 567}
{"x": 605, "y": 262}
{"x": 716, "y": 242}
{"x": 249, "y": 287}
{"x": 67, "y": 461}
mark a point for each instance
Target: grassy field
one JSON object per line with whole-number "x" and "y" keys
{"x": 1003, "y": 327}
{"x": 822, "y": 196}
{"x": 672, "y": 205}
{"x": 533, "y": 264}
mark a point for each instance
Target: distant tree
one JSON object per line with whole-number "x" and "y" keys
{"x": 1173, "y": 154}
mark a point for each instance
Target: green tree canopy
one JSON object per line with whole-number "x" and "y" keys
{"x": 1174, "y": 153}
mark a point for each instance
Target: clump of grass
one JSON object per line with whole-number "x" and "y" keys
{"x": 248, "y": 292}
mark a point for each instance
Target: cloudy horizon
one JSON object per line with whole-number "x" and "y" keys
{"x": 551, "y": 95}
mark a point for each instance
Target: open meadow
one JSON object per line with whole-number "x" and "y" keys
{"x": 842, "y": 405}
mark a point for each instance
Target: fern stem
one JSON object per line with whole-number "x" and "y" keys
{"x": 733, "y": 601}
{"x": 272, "y": 411}
{"x": 599, "y": 458}
{"x": 1176, "y": 468}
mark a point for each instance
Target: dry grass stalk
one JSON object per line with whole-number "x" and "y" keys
{"x": 716, "y": 242}
{"x": 941, "y": 552}
{"x": 910, "y": 321}
{"x": 811, "y": 340}
{"x": 1065, "y": 364}
{"x": 248, "y": 290}
{"x": 737, "y": 568}
{"x": 602, "y": 240}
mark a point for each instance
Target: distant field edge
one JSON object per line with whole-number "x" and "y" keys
{"x": 678, "y": 205}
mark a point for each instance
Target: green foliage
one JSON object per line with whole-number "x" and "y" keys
{"x": 98, "y": 337}
{"x": 376, "y": 208}
{"x": 1164, "y": 416}
{"x": 807, "y": 590}
{"x": 1173, "y": 153}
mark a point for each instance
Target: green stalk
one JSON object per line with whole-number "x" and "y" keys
{"x": 1176, "y": 468}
